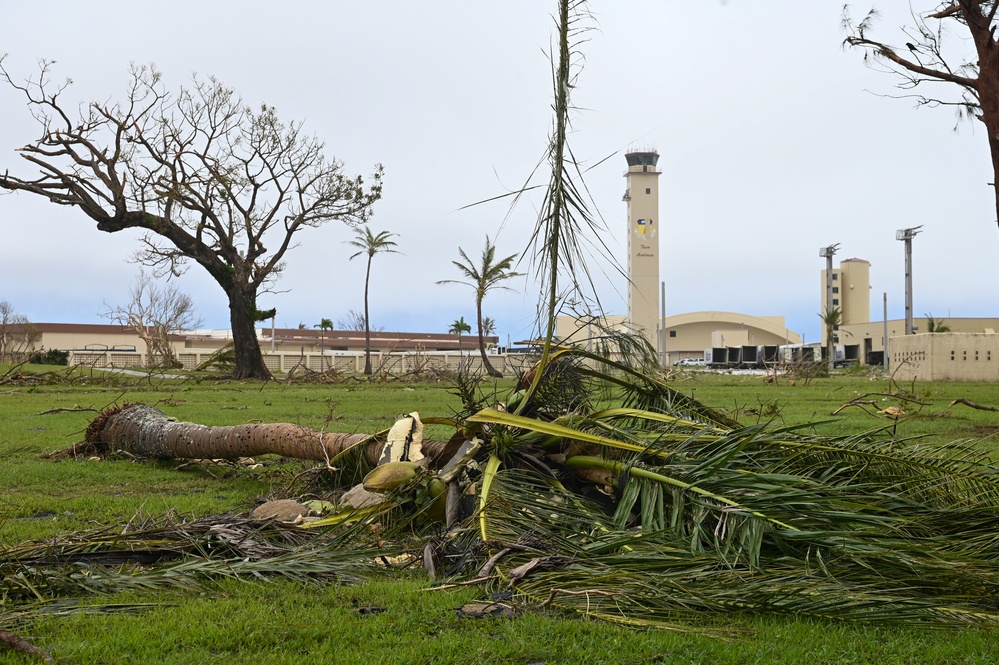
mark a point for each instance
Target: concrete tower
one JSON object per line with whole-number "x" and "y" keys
{"x": 851, "y": 292}
{"x": 642, "y": 196}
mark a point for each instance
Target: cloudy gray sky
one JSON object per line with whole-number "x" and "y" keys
{"x": 774, "y": 142}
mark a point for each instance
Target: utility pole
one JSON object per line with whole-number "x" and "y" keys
{"x": 662, "y": 326}
{"x": 906, "y": 236}
{"x": 827, "y": 253}
{"x": 884, "y": 337}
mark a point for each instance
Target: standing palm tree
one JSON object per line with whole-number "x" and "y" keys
{"x": 936, "y": 325}
{"x": 457, "y": 328}
{"x": 484, "y": 276}
{"x": 832, "y": 319}
{"x": 488, "y": 326}
{"x": 323, "y": 325}
{"x": 368, "y": 245}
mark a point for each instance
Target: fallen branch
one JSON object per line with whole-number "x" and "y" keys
{"x": 584, "y": 592}
{"x": 857, "y": 403}
{"x": 456, "y": 585}
{"x": 860, "y": 401}
{"x": 18, "y": 643}
{"x": 981, "y": 407}
{"x": 69, "y": 409}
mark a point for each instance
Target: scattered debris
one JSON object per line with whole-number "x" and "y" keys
{"x": 281, "y": 510}
{"x": 480, "y": 610}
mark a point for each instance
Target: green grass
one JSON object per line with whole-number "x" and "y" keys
{"x": 285, "y": 622}
{"x": 399, "y": 621}
{"x": 750, "y": 400}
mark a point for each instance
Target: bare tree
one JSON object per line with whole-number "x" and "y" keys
{"x": 935, "y": 49}
{"x": 17, "y": 335}
{"x": 354, "y": 321}
{"x": 155, "y": 314}
{"x": 208, "y": 178}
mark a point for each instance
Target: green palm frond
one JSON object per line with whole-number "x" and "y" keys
{"x": 656, "y": 577}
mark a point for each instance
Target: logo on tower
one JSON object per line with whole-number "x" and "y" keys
{"x": 644, "y": 228}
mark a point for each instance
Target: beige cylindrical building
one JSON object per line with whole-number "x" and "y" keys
{"x": 851, "y": 292}
{"x": 642, "y": 196}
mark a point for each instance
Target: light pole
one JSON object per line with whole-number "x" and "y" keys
{"x": 827, "y": 253}
{"x": 662, "y": 326}
{"x": 906, "y": 236}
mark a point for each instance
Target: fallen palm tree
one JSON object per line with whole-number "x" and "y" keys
{"x": 145, "y": 431}
{"x": 658, "y": 510}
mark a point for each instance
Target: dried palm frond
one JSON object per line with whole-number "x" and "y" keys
{"x": 167, "y": 553}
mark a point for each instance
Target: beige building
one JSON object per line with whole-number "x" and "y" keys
{"x": 964, "y": 353}
{"x": 865, "y": 342}
{"x": 642, "y": 197}
{"x": 851, "y": 293}
{"x": 945, "y": 357}
{"x": 283, "y": 348}
{"x": 690, "y": 335}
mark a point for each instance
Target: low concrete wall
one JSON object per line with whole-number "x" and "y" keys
{"x": 945, "y": 357}
{"x": 349, "y": 363}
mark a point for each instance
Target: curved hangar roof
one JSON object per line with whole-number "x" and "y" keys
{"x": 773, "y": 325}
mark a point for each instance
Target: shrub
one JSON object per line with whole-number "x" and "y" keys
{"x": 49, "y": 357}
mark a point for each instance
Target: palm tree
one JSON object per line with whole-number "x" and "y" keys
{"x": 936, "y": 325}
{"x": 369, "y": 244}
{"x": 488, "y": 326}
{"x": 484, "y": 276}
{"x": 457, "y": 328}
{"x": 831, "y": 319}
{"x": 323, "y": 325}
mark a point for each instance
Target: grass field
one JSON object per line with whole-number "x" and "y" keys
{"x": 400, "y": 620}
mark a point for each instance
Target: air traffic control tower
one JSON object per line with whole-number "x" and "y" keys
{"x": 642, "y": 196}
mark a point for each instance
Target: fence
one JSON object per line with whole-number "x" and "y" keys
{"x": 348, "y": 363}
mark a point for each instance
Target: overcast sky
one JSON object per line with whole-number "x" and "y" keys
{"x": 774, "y": 142}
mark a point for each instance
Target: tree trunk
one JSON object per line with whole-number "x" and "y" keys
{"x": 367, "y": 321}
{"x": 987, "y": 83}
{"x": 148, "y": 432}
{"x": 242, "y": 311}
{"x": 486, "y": 365}
{"x": 989, "y": 95}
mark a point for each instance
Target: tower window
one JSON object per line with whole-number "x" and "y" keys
{"x": 648, "y": 190}
{"x": 835, "y": 276}
{"x": 672, "y": 333}
{"x": 835, "y": 301}
{"x": 835, "y": 289}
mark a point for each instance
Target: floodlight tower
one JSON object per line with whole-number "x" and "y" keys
{"x": 827, "y": 253}
{"x": 642, "y": 197}
{"x": 906, "y": 236}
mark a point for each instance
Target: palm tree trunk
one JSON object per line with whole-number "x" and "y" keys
{"x": 146, "y": 431}
{"x": 486, "y": 365}
{"x": 367, "y": 321}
